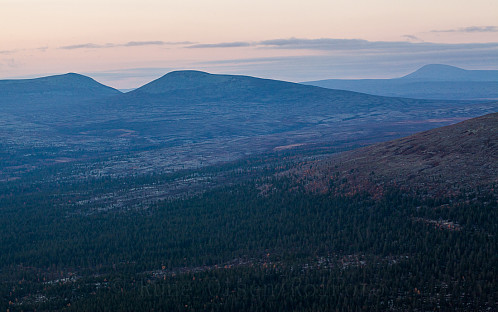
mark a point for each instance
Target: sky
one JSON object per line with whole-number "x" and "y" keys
{"x": 128, "y": 43}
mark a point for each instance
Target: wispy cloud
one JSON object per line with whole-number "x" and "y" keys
{"x": 412, "y": 38}
{"x": 8, "y": 51}
{"x": 236, "y": 44}
{"x": 351, "y": 58}
{"x": 291, "y": 43}
{"x": 363, "y": 59}
{"x": 332, "y": 45}
{"x": 127, "y": 44}
{"x": 146, "y": 43}
{"x": 322, "y": 44}
{"x": 317, "y": 44}
{"x": 341, "y": 45}
{"x": 470, "y": 29}
{"x": 87, "y": 46}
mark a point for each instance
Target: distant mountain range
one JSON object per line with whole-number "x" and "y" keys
{"x": 429, "y": 82}
{"x": 188, "y": 119}
{"x": 440, "y": 162}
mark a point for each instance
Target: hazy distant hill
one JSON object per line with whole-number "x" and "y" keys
{"x": 429, "y": 82}
{"x": 59, "y": 89}
{"x": 187, "y": 119}
{"x": 439, "y": 72}
{"x": 70, "y": 84}
{"x": 441, "y": 161}
{"x": 193, "y": 107}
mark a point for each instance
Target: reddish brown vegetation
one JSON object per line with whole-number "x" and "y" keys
{"x": 438, "y": 162}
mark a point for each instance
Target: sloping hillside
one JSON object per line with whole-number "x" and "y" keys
{"x": 442, "y": 161}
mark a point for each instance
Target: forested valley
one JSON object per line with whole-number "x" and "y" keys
{"x": 262, "y": 244}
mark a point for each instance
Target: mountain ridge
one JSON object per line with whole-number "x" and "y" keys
{"x": 434, "y": 81}
{"x": 188, "y": 119}
{"x": 193, "y": 79}
{"x": 442, "y": 72}
{"x": 66, "y": 82}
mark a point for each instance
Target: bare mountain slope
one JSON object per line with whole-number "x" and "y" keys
{"x": 441, "y": 161}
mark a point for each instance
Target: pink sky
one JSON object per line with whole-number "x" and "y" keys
{"x": 127, "y": 43}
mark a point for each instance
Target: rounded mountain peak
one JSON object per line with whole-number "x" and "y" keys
{"x": 184, "y": 79}
{"x": 437, "y": 72}
{"x": 440, "y": 72}
{"x": 70, "y": 84}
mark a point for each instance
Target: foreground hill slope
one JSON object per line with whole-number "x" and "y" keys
{"x": 442, "y": 161}
{"x": 429, "y": 82}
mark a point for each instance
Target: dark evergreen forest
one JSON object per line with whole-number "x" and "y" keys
{"x": 237, "y": 248}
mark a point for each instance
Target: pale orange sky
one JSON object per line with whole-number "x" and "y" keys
{"x": 105, "y": 37}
